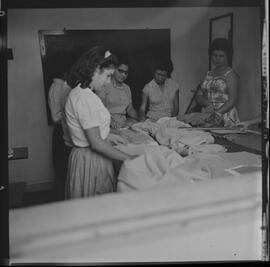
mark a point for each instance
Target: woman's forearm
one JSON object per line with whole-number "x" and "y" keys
{"x": 107, "y": 150}
{"x": 142, "y": 114}
{"x": 132, "y": 113}
{"x": 175, "y": 110}
{"x": 227, "y": 106}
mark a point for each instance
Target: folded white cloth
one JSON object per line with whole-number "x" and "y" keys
{"x": 171, "y": 136}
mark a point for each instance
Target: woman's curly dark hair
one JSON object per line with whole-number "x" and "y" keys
{"x": 164, "y": 64}
{"x": 221, "y": 44}
{"x": 83, "y": 69}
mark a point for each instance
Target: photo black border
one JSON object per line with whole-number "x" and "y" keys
{"x": 41, "y": 4}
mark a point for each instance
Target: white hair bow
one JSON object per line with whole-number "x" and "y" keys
{"x": 107, "y": 54}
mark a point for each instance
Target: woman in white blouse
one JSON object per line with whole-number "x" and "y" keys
{"x": 90, "y": 168}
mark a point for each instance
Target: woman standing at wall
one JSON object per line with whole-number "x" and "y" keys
{"x": 90, "y": 168}
{"x": 219, "y": 89}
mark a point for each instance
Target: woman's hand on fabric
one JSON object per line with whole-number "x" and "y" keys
{"x": 196, "y": 118}
{"x": 116, "y": 139}
{"x": 213, "y": 119}
{"x": 180, "y": 117}
{"x": 219, "y": 120}
{"x": 114, "y": 124}
{"x": 142, "y": 118}
{"x": 209, "y": 109}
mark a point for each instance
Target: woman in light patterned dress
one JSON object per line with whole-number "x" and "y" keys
{"x": 219, "y": 89}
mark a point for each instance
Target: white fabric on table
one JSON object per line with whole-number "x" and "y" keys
{"x": 168, "y": 136}
{"x": 160, "y": 166}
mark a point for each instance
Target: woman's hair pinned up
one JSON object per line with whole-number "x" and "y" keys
{"x": 221, "y": 44}
{"x": 83, "y": 69}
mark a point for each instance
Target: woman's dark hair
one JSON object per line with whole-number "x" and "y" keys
{"x": 122, "y": 59}
{"x": 83, "y": 69}
{"x": 165, "y": 65}
{"x": 221, "y": 44}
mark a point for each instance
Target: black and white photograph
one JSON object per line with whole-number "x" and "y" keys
{"x": 137, "y": 132}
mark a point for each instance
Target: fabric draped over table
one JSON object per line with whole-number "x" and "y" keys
{"x": 160, "y": 166}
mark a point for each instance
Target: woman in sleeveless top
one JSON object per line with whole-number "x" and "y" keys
{"x": 161, "y": 94}
{"x": 219, "y": 88}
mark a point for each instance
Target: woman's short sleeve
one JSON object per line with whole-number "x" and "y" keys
{"x": 88, "y": 113}
{"x": 146, "y": 89}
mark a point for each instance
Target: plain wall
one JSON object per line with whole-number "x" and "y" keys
{"x": 27, "y": 118}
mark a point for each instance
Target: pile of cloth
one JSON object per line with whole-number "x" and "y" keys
{"x": 179, "y": 136}
{"x": 137, "y": 141}
{"x": 186, "y": 142}
{"x": 134, "y": 137}
{"x": 148, "y": 126}
{"x": 160, "y": 166}
{"x": 152, "y": 127}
